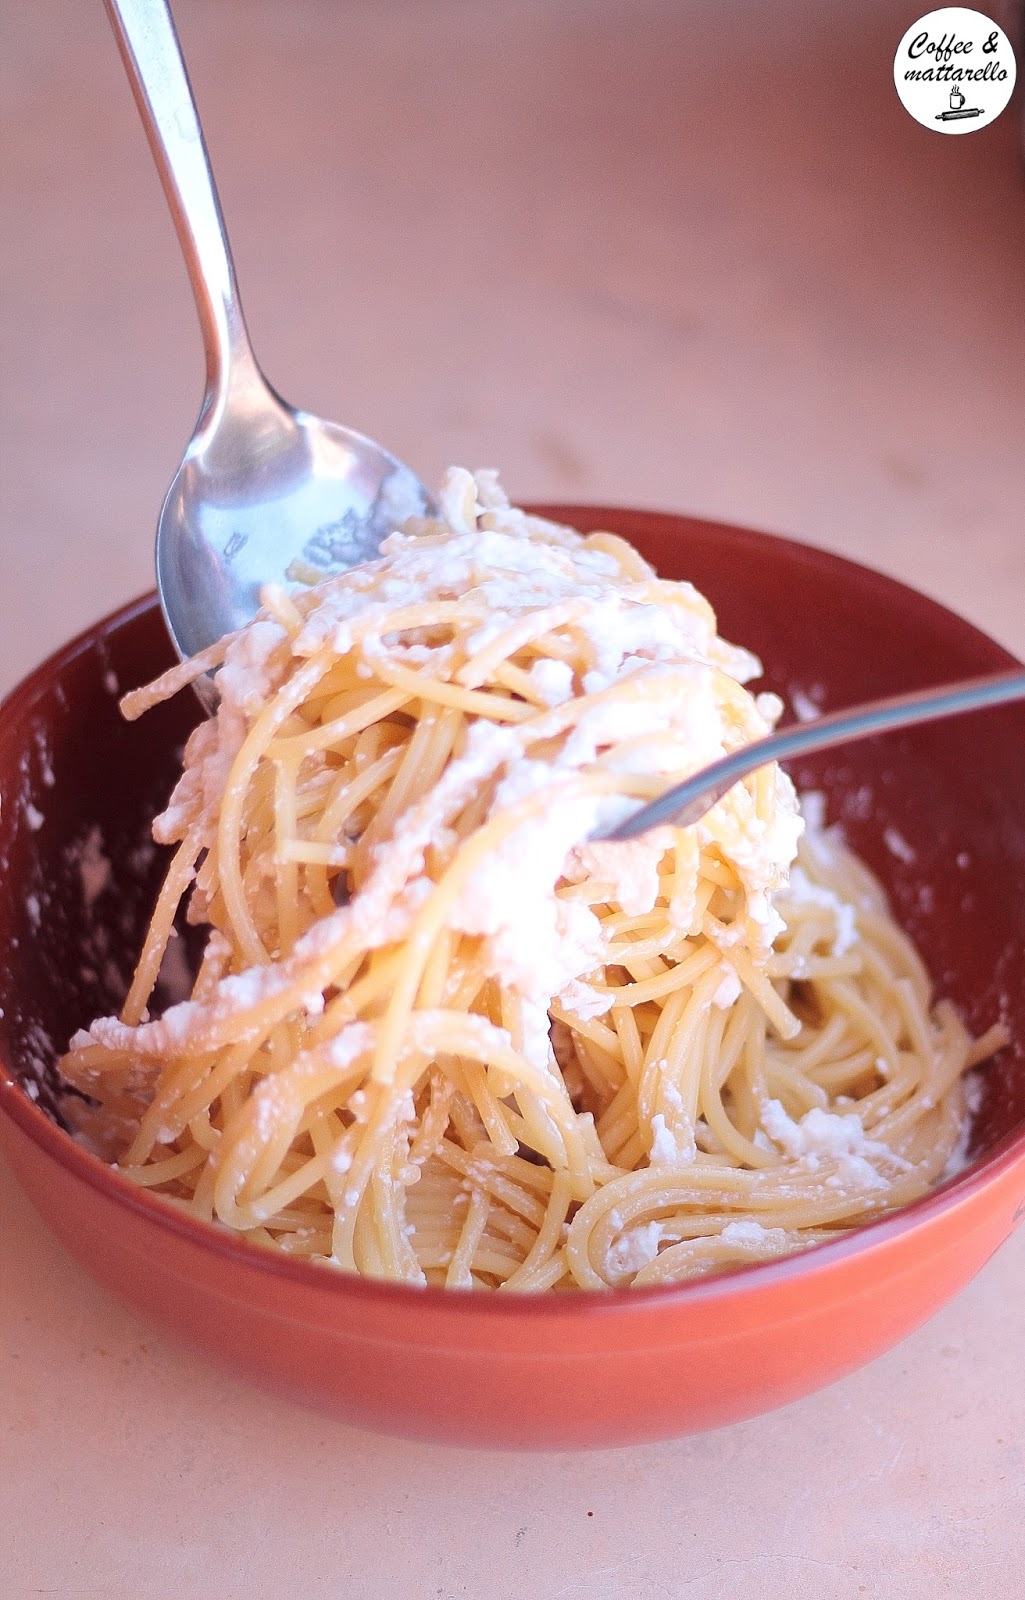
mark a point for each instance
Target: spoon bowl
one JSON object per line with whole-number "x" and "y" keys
{"x": 295, "y": 496}
{"x": 264, "y": 491}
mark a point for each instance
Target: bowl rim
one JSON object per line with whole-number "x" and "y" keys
{"x": 740, "y": 1282}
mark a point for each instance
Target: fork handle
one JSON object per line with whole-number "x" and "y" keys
{"x": 688, "y": 802}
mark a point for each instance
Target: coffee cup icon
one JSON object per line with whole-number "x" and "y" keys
{"x": 956, "y": 99}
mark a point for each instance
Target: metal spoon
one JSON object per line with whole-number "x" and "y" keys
{"x": 688, "y": 801}
{"x": 261, "y": 485}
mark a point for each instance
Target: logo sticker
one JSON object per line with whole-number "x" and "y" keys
{"x": 954, "y": 70}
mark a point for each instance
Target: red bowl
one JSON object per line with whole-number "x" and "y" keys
{"x": 572, "y": 1369}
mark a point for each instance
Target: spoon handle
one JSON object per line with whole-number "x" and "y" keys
{"x": 153, "y": 60}
{"x": 688, "y": 802}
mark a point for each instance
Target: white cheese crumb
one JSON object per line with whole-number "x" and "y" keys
{"x": 805, "y": 708}
{"x": 729, "y": 988}
{"x": 803, "y": 891}
{"x": 813, "y": 809}
{"x": 822, "y": 1135}
{"x": 957, "y": 1161}
{"x": 553, "y": 680}
{"x": 752, "y": 1235}
{"x": 898, "y": 846}
{"x": 666, "y": 1146}
{"x": 635, "y": 1248}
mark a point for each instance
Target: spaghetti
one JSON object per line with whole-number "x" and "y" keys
{"x": 439, "y": 1036}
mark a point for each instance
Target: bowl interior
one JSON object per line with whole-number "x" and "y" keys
{"x": 939, "y": 812}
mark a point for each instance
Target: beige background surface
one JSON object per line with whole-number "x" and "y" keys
{"x": 683, "y": 255}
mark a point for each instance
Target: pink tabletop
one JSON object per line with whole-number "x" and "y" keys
{"x": 632, "y": 251}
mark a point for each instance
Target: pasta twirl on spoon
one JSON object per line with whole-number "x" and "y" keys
{"x": 437, "y": 1035}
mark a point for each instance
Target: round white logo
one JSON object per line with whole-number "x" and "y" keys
{"x": 954, "y": 70}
